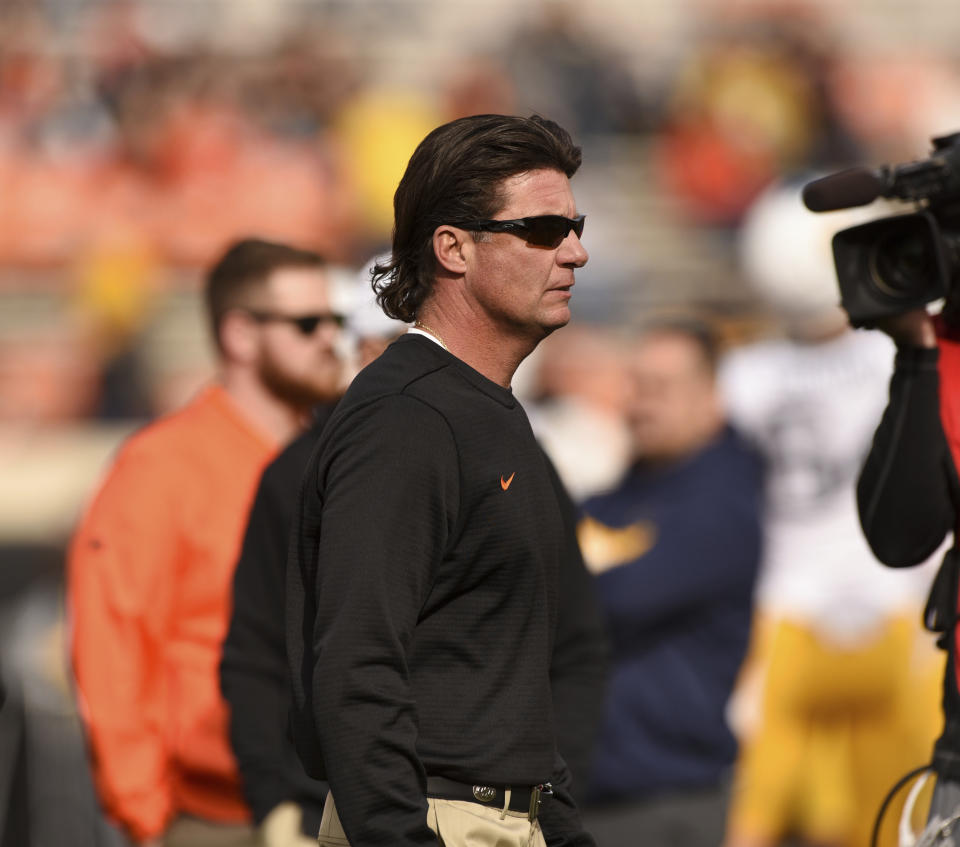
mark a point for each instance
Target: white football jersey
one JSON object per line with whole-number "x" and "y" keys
{"x": 812, "y": 409}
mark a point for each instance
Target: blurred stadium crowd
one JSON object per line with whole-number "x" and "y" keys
{"x": 138, "y": 137}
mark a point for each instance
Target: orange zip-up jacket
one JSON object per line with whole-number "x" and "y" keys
{"x": 149, "y": 580}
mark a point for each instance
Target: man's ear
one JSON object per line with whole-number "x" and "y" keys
{"x": 450, "y": 244}
{"x": 238, "y": 336}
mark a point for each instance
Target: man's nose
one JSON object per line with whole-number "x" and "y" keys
{"x": 329, "y": 334}
{"x": 572, "y": 251}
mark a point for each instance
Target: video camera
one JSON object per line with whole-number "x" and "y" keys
{"x": 891, "y": 265}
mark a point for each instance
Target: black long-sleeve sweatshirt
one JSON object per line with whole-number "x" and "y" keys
{"x": 254, "y": 675}
{"x": 423, "y": 598}
{"x": 253, "y": 669}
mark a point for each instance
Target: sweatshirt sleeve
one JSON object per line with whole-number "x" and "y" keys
{"x": 118, "y": 595}
{"x": 904, "y": 490}
{"x": 389, "y": 507}
{"x": 559, "y": 816}
{"x": 580, "y": 652}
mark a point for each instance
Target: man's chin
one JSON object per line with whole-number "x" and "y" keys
{"x": 326, "y": 392}
{"x": 557, "y": 319}
{"x": 302, "y": 394}
{"x": 305, "y": 401}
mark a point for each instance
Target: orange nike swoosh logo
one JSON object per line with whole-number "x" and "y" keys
{"x": 505, "y": 483}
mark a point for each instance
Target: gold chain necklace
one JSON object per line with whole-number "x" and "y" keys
{"x": 421, "y": 325}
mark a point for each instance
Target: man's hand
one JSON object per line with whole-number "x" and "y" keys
{"x": 281, "y": 828}
{"x": 909, "y": 329}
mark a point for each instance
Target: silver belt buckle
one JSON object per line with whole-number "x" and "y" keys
{"x": 536, "y": 799}
{"x": 484, "y": 793}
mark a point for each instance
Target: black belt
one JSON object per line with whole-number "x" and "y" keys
{"x": 523, "y": 798}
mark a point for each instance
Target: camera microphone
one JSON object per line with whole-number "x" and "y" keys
{"x": 904, "y": 260}
{"x": 852, "y": 187}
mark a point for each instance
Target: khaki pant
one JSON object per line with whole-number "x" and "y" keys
{"x": 187, "y": 831}
{"x": 457, "y": 823}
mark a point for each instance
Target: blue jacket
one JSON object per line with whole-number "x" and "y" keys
{"x": 682, "y": 549}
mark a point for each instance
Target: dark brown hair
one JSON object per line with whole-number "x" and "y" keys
{"x": 456, "y": 174}
{"x": 245, "y": 267}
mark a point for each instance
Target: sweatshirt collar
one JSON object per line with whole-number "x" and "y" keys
{"x": 504, "y": 396}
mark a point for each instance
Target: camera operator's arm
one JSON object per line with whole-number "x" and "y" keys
{"x": 904, "y": 491}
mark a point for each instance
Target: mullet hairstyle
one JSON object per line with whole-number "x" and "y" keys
{"x": 245, "y": 267}
{"x": 457, "y": 173}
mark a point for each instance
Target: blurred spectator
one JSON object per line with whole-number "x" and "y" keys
{"x": 151, "y": 563}
{"x": 371, "y": 330}
{"x": 47, "y": 375}
{"x": 186, "y": 147}
{"x": 897, "y": 102}
{"x": 675, "y": 548}
{"x": 374, "y": 135}
{"x": 751, "y": 102}
{"x": 287, "y": 804}
{"x": 575, "y": 385}
{"x": 479, "y": 86}
{"x": 296, "y": 89}
{"x": 559, "y": 68}
{"x": 114, "y": 302}
{"x": 839, "y": 697}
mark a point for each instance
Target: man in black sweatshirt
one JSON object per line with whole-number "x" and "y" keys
{"x": 286, "y": 804}
{"x": 908, "y": 496}
{"x": 422, "y": 592}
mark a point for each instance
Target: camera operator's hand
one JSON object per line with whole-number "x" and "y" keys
{"x": 909, "y": 329}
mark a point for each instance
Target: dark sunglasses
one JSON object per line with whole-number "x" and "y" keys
{"x": 541, "y": 230}
{"x": 306, "y": 324}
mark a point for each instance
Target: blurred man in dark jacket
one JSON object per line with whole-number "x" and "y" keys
{"x": 675, "y": 548}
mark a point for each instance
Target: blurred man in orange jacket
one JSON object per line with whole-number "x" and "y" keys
{"x": 151, "y": 564}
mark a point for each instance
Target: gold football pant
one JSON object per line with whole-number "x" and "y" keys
{"x": 836, "y": 728}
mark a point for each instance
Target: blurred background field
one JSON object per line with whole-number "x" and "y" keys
{"x": 138, "y": 137}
